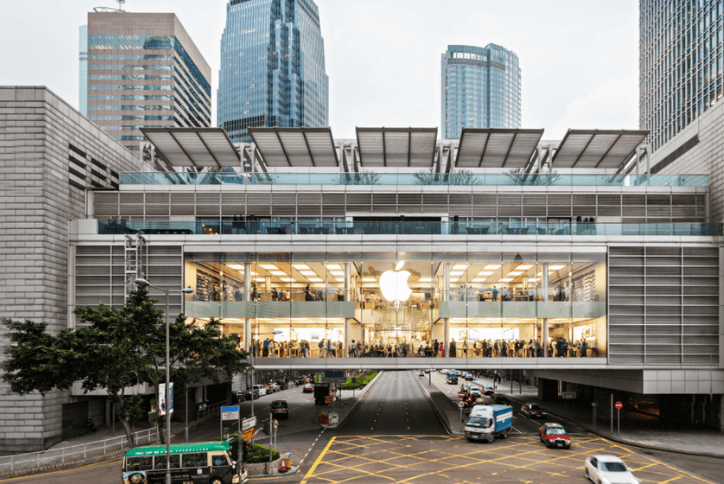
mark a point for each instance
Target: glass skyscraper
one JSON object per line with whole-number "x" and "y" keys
{"x": 144, "y": 71}
{"x": 480, "y": 89}
{"x": 83, "y": 71}
{"x": 272, "y": 67}
{"x": 680, "y": 64}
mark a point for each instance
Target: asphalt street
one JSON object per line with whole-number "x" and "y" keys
{"x": 395, "y": 436}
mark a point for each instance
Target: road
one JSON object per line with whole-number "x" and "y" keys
{"x": 395, "y": 436}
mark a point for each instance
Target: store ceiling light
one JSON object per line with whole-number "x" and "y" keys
{"x": 507, "y": 279}
{"x": 456, "y": 273}
{"x": 524, "y": 267}
{"x": 491, "y": 267}
{"x": 269, "y": 267}
{"x": 238, "y": 267}
{"x": 288, "y": 279}
{"x": 460, "y": 267}
{"x": 315, "y": 279}
{"x": 486, "y": 273}
{"x": 308, "y": 273}
{"x": 556, "y": 267}
{"x": 532, "y": 279}
{"x": 369, "y": 279}
{"x": 337, "y": 273}
{"x": 515, "y": 273}
{"x": 278, "y": 273}
{"x": 301, "y": 267}
{"x": 479, "y": 279}
{"x": 425, "y": 279}
{"x": 260, "y": 279}
{"x": 334, "y": 267}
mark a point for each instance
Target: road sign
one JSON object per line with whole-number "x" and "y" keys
{"x": 319, "y": 378}
{"x": 248, "y": 434}
{"x": 276, "y": 424}
{"x": 461, "y": 394}
{"x": 328, "y": 399}
{"x": 162, "y": 398}
{"x": 461, "y": 404}
{"x": 248, "y": 423}
{"x": 334, "y": 379}
{"x": 229, "y": 413}
{"x": 619, "y": 405}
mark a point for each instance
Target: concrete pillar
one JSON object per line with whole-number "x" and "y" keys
{"x": 446, "y": 347}
{"x": 347, "y": 297}
{"x": 247, "y": 298}
{"x": 545, "y": 282}
{"x": 544, "y": 338}
{"x": 446, "y": 281}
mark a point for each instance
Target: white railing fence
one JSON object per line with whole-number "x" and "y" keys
{"x": 60, "y": 455}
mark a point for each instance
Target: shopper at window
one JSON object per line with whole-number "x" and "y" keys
{"x": 435, "y": 348}
{"x": 495, "y": 293}
{"x": 453, "y": 349}
{"x": 265, "y": 351}
{"x": 254, "y": 294}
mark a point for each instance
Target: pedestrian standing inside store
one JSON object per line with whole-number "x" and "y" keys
{"x": 435, "y": 348}
{"x": 453, "y": 349}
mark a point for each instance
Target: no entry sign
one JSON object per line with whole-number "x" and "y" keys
{"x": 619, "y": 405}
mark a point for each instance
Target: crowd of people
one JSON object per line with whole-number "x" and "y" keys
{"x": 324, "y": 348}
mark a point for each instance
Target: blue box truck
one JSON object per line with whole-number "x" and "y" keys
{"x": 486, "y": 422}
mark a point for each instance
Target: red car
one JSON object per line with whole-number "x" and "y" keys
{"x": 554, "y": 435}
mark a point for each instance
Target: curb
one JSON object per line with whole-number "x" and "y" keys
{"x": 443, "y": 419}
{"x": 623, "y": 440}
{"x": 293, "y": 470}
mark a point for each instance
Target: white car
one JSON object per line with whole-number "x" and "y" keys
{"x": 261, "y": 389}
{"x": 475, "y": 392}
{"x": 608, "y": 469}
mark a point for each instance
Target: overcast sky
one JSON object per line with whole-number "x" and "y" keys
{"x": 579, "y": 58}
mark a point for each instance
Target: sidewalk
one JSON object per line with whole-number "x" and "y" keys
{"x": 637, "y": 429}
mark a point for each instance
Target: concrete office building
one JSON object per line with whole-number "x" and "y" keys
{"x": 591, "y": 282}
{"x": 144, "y": 71}
{"x": 272, "y": 67}
{"x": 680, "y": 66}
{"x": 481, "y": 88}
{"x": 49, "y": 157}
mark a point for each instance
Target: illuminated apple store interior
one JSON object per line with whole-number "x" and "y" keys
{"x": 343, "y": 305}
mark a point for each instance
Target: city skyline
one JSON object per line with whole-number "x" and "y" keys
{"x": 571, "y": 84}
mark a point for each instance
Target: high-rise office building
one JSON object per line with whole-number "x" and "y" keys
{"x": 480, "y": 89}
{"x": 272, "y": 67}
{"x": 144, "y": 71}
{"x": 83, "y": 71}
{"x": 680, "y": 65}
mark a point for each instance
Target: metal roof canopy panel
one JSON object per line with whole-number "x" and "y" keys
{"x": 397, "y": 147}
{"x": 592, "y": 148}
{"x": 497, "y": 148}
{"x": 295, "y": 147}
{"x": 194, "y": 147}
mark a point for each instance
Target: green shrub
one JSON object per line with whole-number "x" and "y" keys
{"x": 260, "y": 453}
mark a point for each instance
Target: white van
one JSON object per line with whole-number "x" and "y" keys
{"x": 261, "y": 389}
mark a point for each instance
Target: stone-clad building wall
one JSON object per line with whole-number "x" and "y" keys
{"x": 701, "y": 145}
{"x": 49, "y": 155}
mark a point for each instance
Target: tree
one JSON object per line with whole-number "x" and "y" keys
{"x": 118, "y": 349}
{"x": 520, "y": 177}
{"x": 365, "y": 177}
{"x": 458, "y": 177}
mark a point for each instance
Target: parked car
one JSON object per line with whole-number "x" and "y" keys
{"x": 260, "y": 390}
{"x": 554, "y": 435}
{"x": 488, "y": 390}
{"x": 606, "y": 469}
{"x": 308, "y": 388}
{"x": 280, "y": 409}
{"x": 533, "y": 410}
{"x": 469, "y": 377}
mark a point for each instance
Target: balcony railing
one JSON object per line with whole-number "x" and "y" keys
{"x": 462, "y": 179}
{"x": 410, "y": 228}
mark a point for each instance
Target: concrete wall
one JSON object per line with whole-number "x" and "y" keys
{"x": 37, "y": 200}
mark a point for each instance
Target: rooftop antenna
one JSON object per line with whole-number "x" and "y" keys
{"x": 111, "y": 10}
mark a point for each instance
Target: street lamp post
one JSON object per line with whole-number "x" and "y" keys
{"x": 144, "y": 283}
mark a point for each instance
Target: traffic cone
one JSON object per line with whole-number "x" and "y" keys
{"x": 284, "y": 467}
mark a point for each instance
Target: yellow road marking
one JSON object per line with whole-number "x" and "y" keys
{"x": 319, "y": 459}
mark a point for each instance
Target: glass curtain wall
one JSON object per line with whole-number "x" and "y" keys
{"x": 396, "y": 304}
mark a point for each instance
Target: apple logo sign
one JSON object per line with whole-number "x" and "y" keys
{"x": 393, "y": 284}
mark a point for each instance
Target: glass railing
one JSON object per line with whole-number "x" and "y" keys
{"x": 410, "y": 228}
{"x": 413, "y": 179}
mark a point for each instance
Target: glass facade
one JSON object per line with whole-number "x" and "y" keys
{"x": 680, "y": 71}
{"x": 131, "y": 71}
{"x": 481, "y": 88}
{"x": 272, "y": 67}
{"x": 523, "y": 305}
{"x": 83, "y": 71}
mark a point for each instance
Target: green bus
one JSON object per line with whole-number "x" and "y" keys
{"x": 199, "y": 463}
